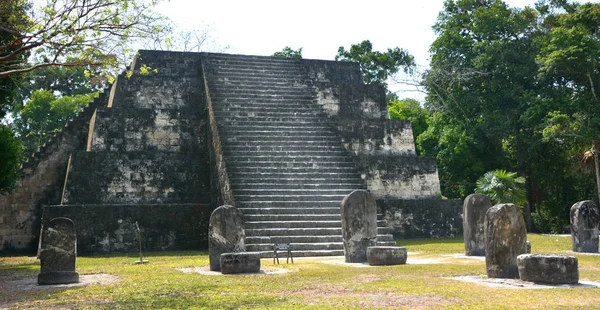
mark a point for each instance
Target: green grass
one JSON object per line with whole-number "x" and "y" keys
{"x": 309, "y": 284}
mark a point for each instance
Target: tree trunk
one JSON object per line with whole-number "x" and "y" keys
{"x": 595, "y": 149}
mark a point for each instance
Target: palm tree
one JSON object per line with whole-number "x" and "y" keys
{"x": 502, "y": 187}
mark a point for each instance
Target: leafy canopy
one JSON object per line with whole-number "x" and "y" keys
{"x": 377, "y": 67}
{"x": 288, "y": 52}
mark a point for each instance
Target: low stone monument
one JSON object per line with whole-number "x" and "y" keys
{"x": 359, "y": 225}
{"x": 585, "y": 219}
{"x": 225, "y": 234}
{"x": 386, "y": 255}
{"x": 58, "y": 253}
{"x": 246, "y": 262}
{"x": 474, "y": 208}
{"x": 548, "y": 268}
{"x": 505, "y": 237}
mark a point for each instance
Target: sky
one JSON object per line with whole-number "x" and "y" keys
{"x": 319, "y": 27}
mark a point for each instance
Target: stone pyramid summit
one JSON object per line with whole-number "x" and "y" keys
{"x": 283, "y": 140}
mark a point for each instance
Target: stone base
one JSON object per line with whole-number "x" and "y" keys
{"x": 243, "y": 262}
{"x": 58, "y": 277}
{"x": 386, "y": 255}
{"x": 548, "y": 268}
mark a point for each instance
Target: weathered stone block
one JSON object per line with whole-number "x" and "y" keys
{"x": 244, "y": 262}
{"x": 505, "y": 237}
{"x": 475, "y": 207}
{"x": 359, "y": 225}
{"x": 225, "y": 234}
{"x": 386, "y": 255}
{"x": 58, "y": 253}
{"x": 548, "y": 268}
{"x": 585, "y": 218}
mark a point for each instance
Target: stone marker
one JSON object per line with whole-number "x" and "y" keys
{"x": 58, "y": 253}
{"x": 225, "y": 234}
{"x": 505, "y": 237}
{"x": 386, "y": 255}
{"x": 359, "y": 225}
{"x": 474, "y": 208}
{"x": 547, "y": 268}
{"x": 527, "y": 247}
{"x": 246, "y": 262}
{"x": 584, "y": 226}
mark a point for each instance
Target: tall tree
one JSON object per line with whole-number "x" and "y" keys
{"x": 570, "y": 58}
{"x": 73, "y": 32}
{"x": 377, "y": 66}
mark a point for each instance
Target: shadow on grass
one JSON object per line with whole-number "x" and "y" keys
{"x": 424, "y": 241}
{"x": 147, "y": 254}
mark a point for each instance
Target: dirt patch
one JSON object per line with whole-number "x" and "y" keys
{"x": 207, "y": 272}
{"x": 518, "y": 284}
{"x": 30, "y": 284}
{"x": 323, "y": 294}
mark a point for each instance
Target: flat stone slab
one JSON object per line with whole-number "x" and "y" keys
{"x": 242, "y": 262}
{"x": 548, "y": 268}
{"x": 207, "y": 272}
{"x": 518, "y": 284}
{"x": 386, "y": 255}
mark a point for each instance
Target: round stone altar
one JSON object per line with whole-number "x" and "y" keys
{"x": 548, "y": 268}
{"x": 386, "y": 255}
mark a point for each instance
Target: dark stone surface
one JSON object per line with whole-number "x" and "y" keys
{"x": 422, "y": 218}
{"x": 386, "y": 255}
{"x": 548, "y": 268}
{"x": 244, "y": 262}
{"x": 225, "y": 234}
{"x": 103, "y": 229}
{"x": 505, "y": 236}
{"x": 585, "y": 218}
{"x": 58, "y": 253}
{"x": 359, "y": 225}
{"x": 528, "y": 246}
{"x": 474, "y": 208}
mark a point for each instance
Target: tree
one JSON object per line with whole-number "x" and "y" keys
{"x": 288, "y": 52}
{"x": 44, "y": 114}
{"x": 73, "y": 33}
{"x": 570, "y": 58}
{"x": 11, "y": 152}
{"x": 411, "y": 110}
{"x": 376, "y": 66}
{"x": 502, "y": 187}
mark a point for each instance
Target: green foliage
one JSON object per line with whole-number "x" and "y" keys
{"x": 377, "y": 66}
{"x": 44, "y": 114}
{"x": 502, "y": 187}
{"x": 411, "y": 110}
{"x": 11, "y": 150}
{"x": 74, "y": 33}
{"x": 288, "y": 52}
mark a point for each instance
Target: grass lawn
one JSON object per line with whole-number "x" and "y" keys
{"x": 309, "y": 283}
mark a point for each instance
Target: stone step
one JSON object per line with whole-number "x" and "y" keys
{"x": 288, "y": 204}
{"x": 295, "y": 224}
{"x": 288, "y": 158}
{"x": 284, "y": 197}
{"x": 275, "y": 164}
{"x": 264, "y": 247}
{"x": 258, "y": 123}
{"x": 264, "y": 102}
{"x": 283, "y": 139}
{"x": 300, "y": 210}
{"x": 271, "y": 87}
{"x": 266, "y": 186}
{"x": 279, "y": 232}
{"x": 224, "y": 58}
{"x": 252, "y": 167}
{"x": 291, "y": 192}
{"x": 286, "y": 131}
{"x": 240, "y": 181}
{"x": 382, "y": 239}
{"x": 307, "y": 253}
{"x": 297, "y": 175}
{"x": 290, "y": 119}
{"x": 259, "y": 63}
{"x": 257, "y": 108}
{"x": 308, "y": 113}
{"x": 267, "y": 92}
{"x": 292, "y": 217}
{"x": 296, "y": 81}
{"x": 252, "y": 147}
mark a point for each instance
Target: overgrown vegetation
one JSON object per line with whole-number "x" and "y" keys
{"x": 310, "y": 283}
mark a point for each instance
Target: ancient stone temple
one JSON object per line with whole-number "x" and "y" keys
{"x": 179, "y": 134}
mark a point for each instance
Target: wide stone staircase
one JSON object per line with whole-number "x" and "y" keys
{"x": 287, "y": 167}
